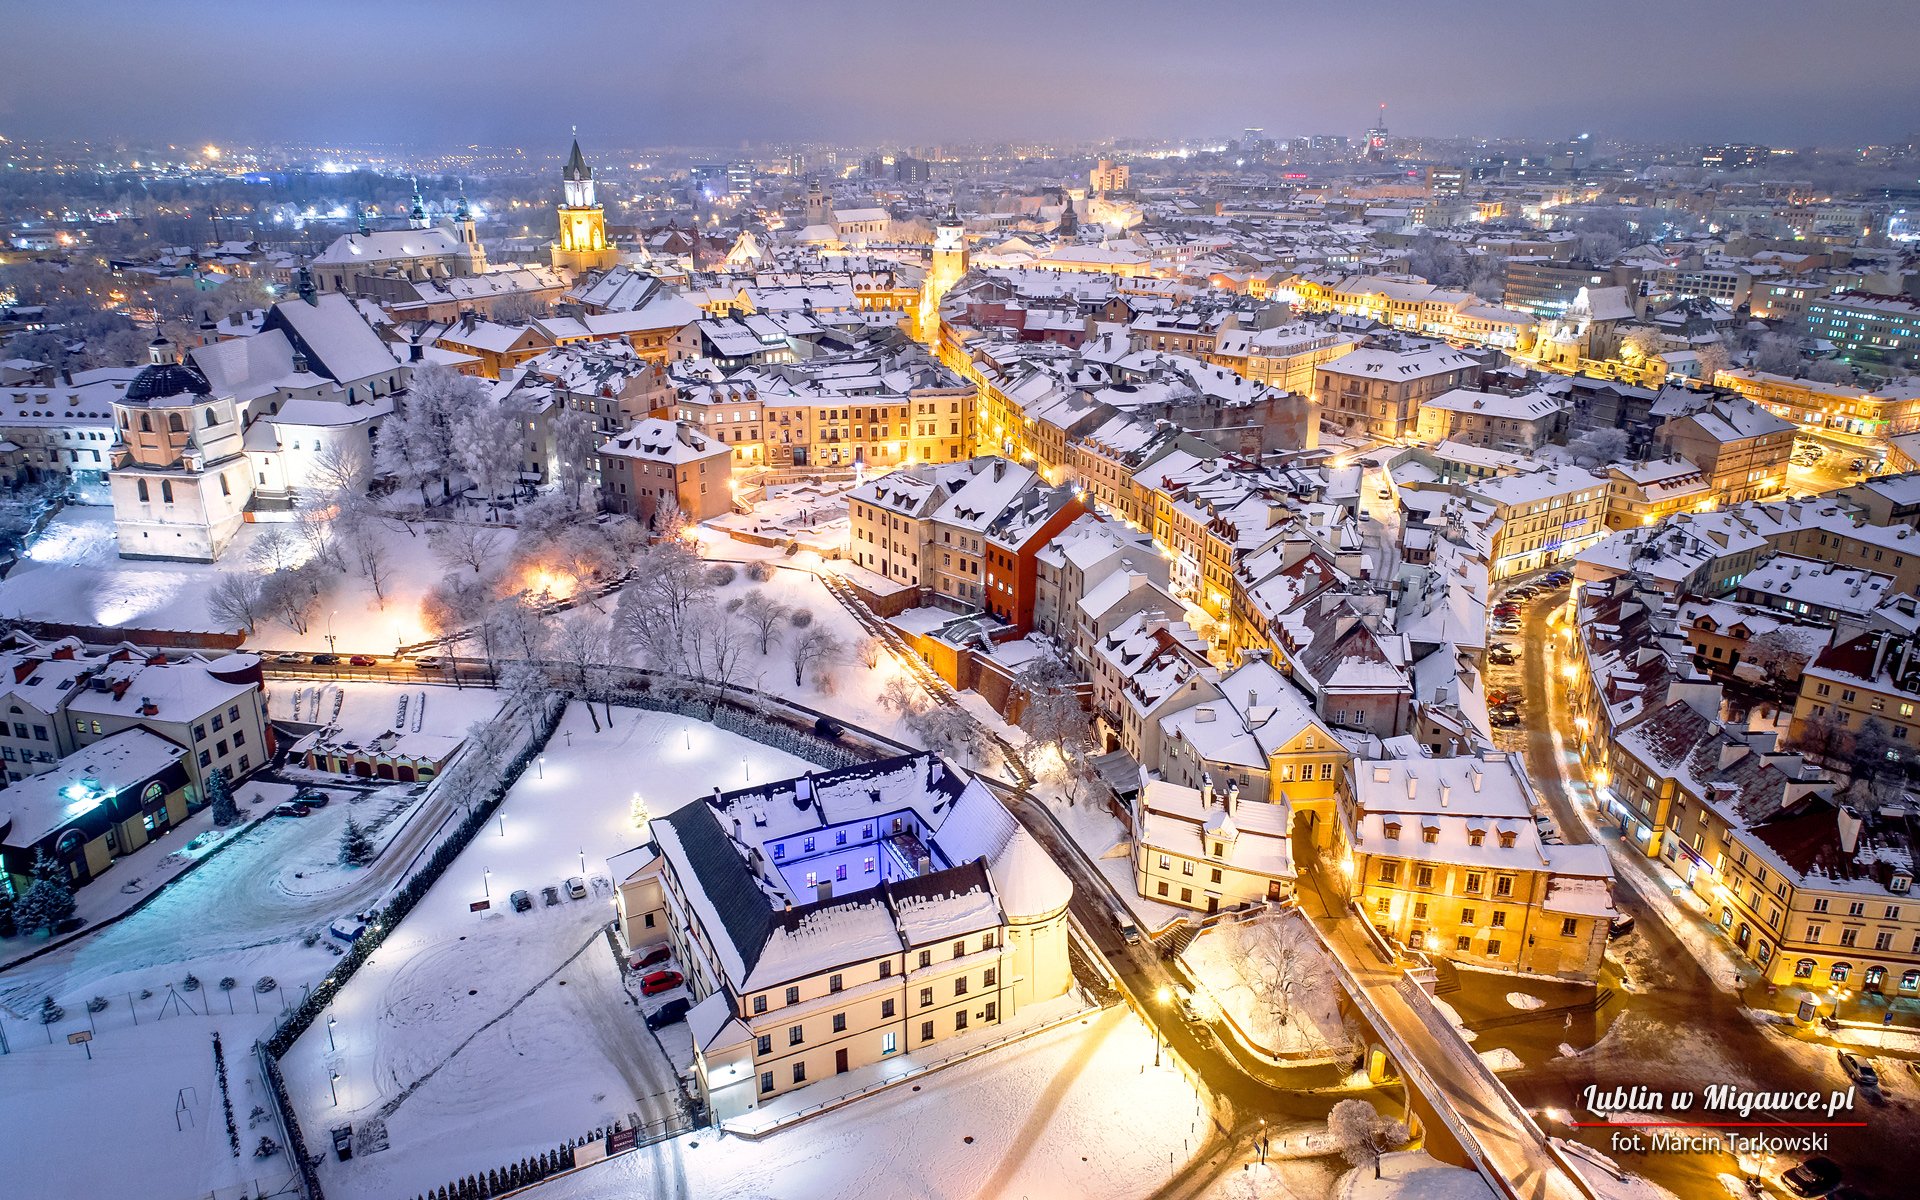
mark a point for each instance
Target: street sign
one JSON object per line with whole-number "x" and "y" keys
{"x": 480, "y": 906}
{"x": 74, "y": 1039}
{"x": 620, "y": 1141}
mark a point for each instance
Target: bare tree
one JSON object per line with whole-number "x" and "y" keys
{"x": 1272, "y": 958}
{"x": 1599, "y": 446}
{"x": 872, "y": 650}
{"x": 811, "y": 648}
{"x": 763, "y": 615}
{"x": 313, "y": 527}
{"x": 574, "y": 443}
{"x": 1363, "y": 1135}
{"x": 236, "y": 599}
{"x": 293, "y": 596}
{"x": 416, "y": 445}
{"x": 459, "y": 544}
{"x": 1779, "y": 354}
{"x": 720, "y": 645}
{"x": 274, "y": 550}
{"x": 487, "y": 438}
{"x": 1054, "y": 719}
{"x": 657, "y": 612}
{"x": 584, "y": 644}
{"x": 369, "y": 551}
{"x": 1830, "y": 370}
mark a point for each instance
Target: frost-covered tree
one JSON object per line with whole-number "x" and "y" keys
{"x": 356, "y": 848}
{"x": 574, "y": 442}
{"x": 1830, "y": 370}
{"x": 811, "y": 650}
{"x": 220, "y": 799}
{"x": 293, "y": 596}
{"x": 274, "y": 550}
{"x": 459, "y": 544}
{"x": 1362, "y": 1135}
{"x": 48, "y": 901}
{"x": 486, "y": 439}
{"x": 584, "y": 643}
{"x": 763, "y": 615}
{"x": 638, "y": 813}
{"x": 657, "y": 612}
{"x": 1778, "y": 354}
{"x": 416, "y": 445}
{"x": 1598, "y": 447}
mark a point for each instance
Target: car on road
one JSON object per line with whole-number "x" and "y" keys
{"x": 325, "y": 660}
{"x": 291, "y": 808}
{"x": 550, "y": 894}
{"x": 1505, "y": 627}
{"x": 1503, "y": 718}
{"x": 289, "y": 656}
{"x": 1556, "y": 579}
{"x": 1188, "y": 1012}
{"x": 668, "y": 1013}
{"x": 1502, "y": 656}
{"x": 428, "y": 664}
{"x": 360, "y": 660}
{"x": 312, "y": 798}
{"x": 521, "y": 900}
{"x": 1860, "y": 1070}
{"x": 660, "y": 981}
{"x": 827, "y": 727}
{"x": 1502, "y": 698}
{"x": 658, "y": 954}
{"x": 1815, "y": 1177}
{"x": 1506, "y": 610}
{"x": 577, "y": 888}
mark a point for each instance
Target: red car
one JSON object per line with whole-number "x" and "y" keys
{"x": 658, "y": 954}
{"x": 661, "y": 981}
{"x": 360, "y": 660}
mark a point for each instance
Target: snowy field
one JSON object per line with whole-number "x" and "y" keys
{"x": 363, "y": 710}
{"x": 74, "y": 573}
{"x": 1080, "y": 1111}
{"x": 1313, "y": 1025}
{"x": 481, "y": 1037}
{"x": 246, "y": 914}
{"x": 813, "y": 514}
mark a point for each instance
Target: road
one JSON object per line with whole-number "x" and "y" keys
{"x": 1676, "y": 1030}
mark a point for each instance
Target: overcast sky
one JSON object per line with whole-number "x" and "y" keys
{"x": 659, "y": 72}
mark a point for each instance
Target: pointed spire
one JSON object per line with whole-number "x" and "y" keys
{"x": 360, "y": 223}
{"x": 576, "y": 162}
{"x": 417, "y": 215}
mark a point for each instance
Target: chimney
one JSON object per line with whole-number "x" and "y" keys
{"x": 1446, "y": 792}
{"x": 1732, "y": 751}
{"x": 1473, "y": 777}
{"x": 1849, "y": 831}
{"x": 1206, "y": 790}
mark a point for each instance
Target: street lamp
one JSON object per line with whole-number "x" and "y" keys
{"x": 330, "y": 1025}
{"x": 333, "y": 1085}
{"x": 486, "y": 881}
{"x": 543, "y": 766}
{"x": 583, "y": 860}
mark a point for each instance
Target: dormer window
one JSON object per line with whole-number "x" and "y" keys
{"x": 1506, "y": 841}
{"x": 1430, "y": 835}
{"x": 1900, "y": 883}
{"x": 1477, "y": 837}
{"x": 1393, "y": 831}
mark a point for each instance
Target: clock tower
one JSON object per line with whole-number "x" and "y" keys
{"x": 583, "y": 245}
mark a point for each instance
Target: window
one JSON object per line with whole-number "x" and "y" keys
{"x": 926, "y": 997}
{"x": 840, "y": 838}
{"x": 796, "y": 1034}
{"x": 1499, "y": 919}
{"x": 807, "y": 844}
{"x": 1423, "y": 877}
{"x": 1569, "y": 927}
{"x": 1186, "y": 866}
{"x": 1503, "y": 885}
{"x": 1493, "y": 947}
{"x": 759, "y": 1004}
{"x": 867, "y": 864}
{"x": 960, "y": 948}
{"x": 766, "y": 1081}
{"x": 1420, "y": 910}
{"x": 926, "y": 1031}
{"x": 839, "y": 1022}
{"x": 793, "y": 995}
{"x": 926, "y": 958}
{"x": 991, "y": 977}
{"x": 1216, "y": 875}
{"x": 959, "y": 1020}
{"x": 1166, "y": 863}
{"x": 888, "y": 1041}
{"x": 763, "y": 1045}
{"x": 1389, "y": 872}
{"x": 886, "y": 1009}
{"x": 1803, "y": 969}
{"x": 1848, "y": 936}
{"x": 1162, "y": 888}
{"x": 1186, "y": 895}
{"x": 886, "y": 968}
{"x": 800, "y": 1072}
{"x": 1430, "y": 835}
{"x": 1474, "y": 880}
{"x": 833, "y": 983}
{"x": 1840, "y": 972}
{"x": 960, "y": 986}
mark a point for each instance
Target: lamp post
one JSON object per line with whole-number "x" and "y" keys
{"x": 330, "y": 615}
{"x": 486, "y": 882}
{"x": 333, "y": 1085}
{"x": 543, "y": 766}
{"x": 1162, "y": 996}
{"x": 583, "y": 860}
{"x": 330, "y": 1025}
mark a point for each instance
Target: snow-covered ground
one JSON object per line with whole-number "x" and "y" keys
{"x": 362, "y": 710}
{"x": 245, "y": 914}
{"x": 74, "y": 573}
{"x": 1313, "y": 1025}
{"x": 482, "y": 1037}
{"x": 1080, "y": 1111}
{"x": 1412, "y": 1175}
{"x": 814, "y": 514}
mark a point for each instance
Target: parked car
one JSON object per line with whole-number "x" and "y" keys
{"x": 1503, "y": 718}
{"x": 660, "y": 981}
{"x": 658, "y": 954}
{"x": 668, "y": 1013}
{"x": 550, "y": 894}
{"x": 291, "y": 809}
{"x": 428, "y": 664}
{"x": 1815, "y": 1177}
{"x": 577, "y": 888}
{"x": 289, "y": 656}
{"x": 1502, "y": 655}
{"x": 1506, "y": 610}
{"x": 1860, "y": 1070}
{"x": 520, "y": 900}
{"x": 1620, "y": 926}
{"x": 325, "y": 660}
{"x": 827, "y": 727}
{"x": 312, "y": 798}
{"x": 360, "y": 660}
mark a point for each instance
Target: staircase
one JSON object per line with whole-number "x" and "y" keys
{"x": 1446, "y": 979}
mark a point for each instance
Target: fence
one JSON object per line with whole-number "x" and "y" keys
{"x": 542, "y": 723}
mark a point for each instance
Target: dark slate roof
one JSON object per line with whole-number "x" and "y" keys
{"x": 162, "y": 381}
{"x": 730, "y": 887}
{"x": 577, "y": 164}
{"x": 934, "y": 885}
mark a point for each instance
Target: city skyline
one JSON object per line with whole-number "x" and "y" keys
{"x": 766, "y": 72}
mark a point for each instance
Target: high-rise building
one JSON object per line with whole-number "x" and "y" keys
{"x": 1376, "y": 150}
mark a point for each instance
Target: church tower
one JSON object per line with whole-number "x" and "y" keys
{"x": 948, "y": 267}
{"x": 470, "y": 237}
{"x": 417, "y": 215}
{"x": 817, "y": 211}
{"x": 583, "y": 245}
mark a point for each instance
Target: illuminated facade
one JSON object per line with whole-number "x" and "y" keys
{"x": 583, "y": 245}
